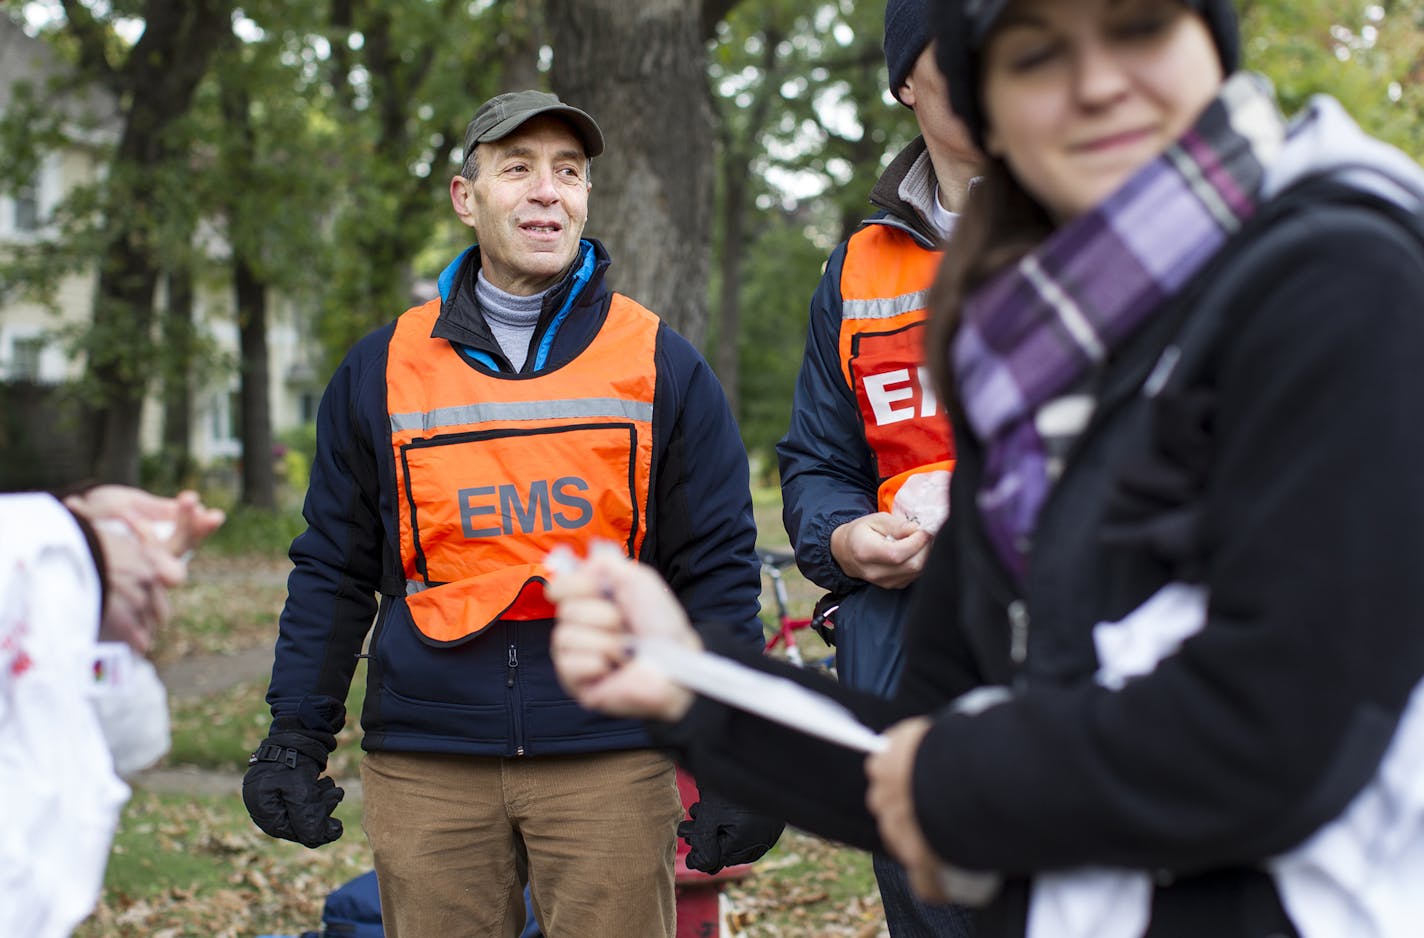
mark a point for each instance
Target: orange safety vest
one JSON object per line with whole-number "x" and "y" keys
{"x": 492, "y": 472}
{"x": 885, "y": 282}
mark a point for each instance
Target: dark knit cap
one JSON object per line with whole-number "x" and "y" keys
{"x": 907, "y": 32}
{"x": 961, "y": 27}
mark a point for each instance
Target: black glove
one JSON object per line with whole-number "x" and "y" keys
{"x": 285, "y": 792}
{"x": 723, "y": 833}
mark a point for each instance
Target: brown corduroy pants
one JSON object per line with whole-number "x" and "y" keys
{"x": 455, "y": 839}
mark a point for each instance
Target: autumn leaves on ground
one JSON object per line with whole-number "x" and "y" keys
{"x": 187, "y": 862}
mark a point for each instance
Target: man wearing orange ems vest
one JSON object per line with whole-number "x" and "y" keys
{"x": 865, "y": 423}
{"x": 527, "y": 406}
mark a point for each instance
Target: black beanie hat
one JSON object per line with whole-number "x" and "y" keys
{"x": 907, "y": 32}
{"x": 961, "y": 27}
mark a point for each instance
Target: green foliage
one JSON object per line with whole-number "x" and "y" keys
{"x": 334, "y": 185}
{"x": 399, "y": 93}
{"x": 253, "y": 530}
{"x": 783, "y": 266}
{"x": 30, "y": 128}
{"x": 300, "y": 445}
{"x": 218, "y": 731}
{"x": 807, "y": 126}
{"x": 833, "y": 125}
{"x": 159, "y": 471}
{"x": 1367, "y": 54}
{"x": 296, "y": 469}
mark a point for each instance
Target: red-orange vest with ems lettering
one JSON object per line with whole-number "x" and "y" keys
{"x": 885, "y": 281}
{"x": 493, "y": 471}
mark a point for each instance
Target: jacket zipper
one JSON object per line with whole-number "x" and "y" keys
{"x": 1018, "y": 636}
{"x": 993, "y": 579}
{"x": 511, "y": 670}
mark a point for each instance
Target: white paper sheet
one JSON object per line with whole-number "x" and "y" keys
{"x": 732, "y": 683}
{"x": 765, "y": 695}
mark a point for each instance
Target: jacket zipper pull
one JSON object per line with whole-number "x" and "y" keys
{"x": 1018, "y": 632}
{"x": 513, "y": 663}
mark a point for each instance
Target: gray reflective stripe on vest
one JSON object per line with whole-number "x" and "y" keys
{"x": 577, "y": 408}
{"x": 414, "y": 586}
{"x": 885, "y": 307}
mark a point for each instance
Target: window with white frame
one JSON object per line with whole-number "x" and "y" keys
{"x": 224, "y": 422}
{"x": 25, "y": 211}
{"x": 25, "y": 355}
{"x": 306, "y": 406}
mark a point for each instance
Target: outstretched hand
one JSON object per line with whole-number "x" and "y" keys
{"x": 146, "y": 540}
{"x": 603, "y": 603}
{"x": 177, "y": 525}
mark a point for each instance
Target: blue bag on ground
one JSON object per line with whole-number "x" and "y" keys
{"x": 354, "y": 911}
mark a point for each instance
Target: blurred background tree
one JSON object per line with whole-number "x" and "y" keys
{"x": 1367, "y": 53}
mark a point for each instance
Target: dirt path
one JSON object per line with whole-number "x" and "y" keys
{"x": 202, "y": 676}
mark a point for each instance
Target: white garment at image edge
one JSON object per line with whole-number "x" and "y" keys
{"x": 1358, "y": 876}
{"x": 60, "y": 792}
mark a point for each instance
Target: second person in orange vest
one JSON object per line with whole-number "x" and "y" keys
{"x": 525, "y": 407}
{"x": 865, "y": 422}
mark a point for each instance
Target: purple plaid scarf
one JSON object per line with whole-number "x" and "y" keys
{"x": 1040, "y": 328}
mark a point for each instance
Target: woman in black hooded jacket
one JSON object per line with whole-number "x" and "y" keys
{"x": 1161, "y": 669}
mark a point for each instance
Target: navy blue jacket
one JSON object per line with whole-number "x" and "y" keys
{"x": 828, "y": 473}
{"x": 496, "y": 694}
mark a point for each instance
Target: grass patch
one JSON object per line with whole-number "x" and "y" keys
{"x": 218, "y": 731}
{"x": 195, "y": 867}
{"x": 255, "y": 531}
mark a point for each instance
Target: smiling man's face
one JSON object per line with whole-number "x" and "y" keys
{"x": 527, "y": 205}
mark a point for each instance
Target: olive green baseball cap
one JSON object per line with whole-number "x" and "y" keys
{"x": 503, "y": 114}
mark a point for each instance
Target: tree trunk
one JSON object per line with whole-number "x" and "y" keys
{"x": 178, "y": 336}
{"x": 157, "y": 79}
{"x": 119, "y": 359}
{"x": 736, "y": 208}
{"x": 259, "y": 481}
{"x": 519, "y": 43}
{"x": 729, "y": 325}
{"x": 641, "y": 70}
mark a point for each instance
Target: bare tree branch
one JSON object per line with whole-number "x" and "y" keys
{"x": 714, "y": 12}
{"x": 93, "y": 54}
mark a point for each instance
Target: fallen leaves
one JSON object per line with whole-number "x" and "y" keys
{"x": 807, "y": 888}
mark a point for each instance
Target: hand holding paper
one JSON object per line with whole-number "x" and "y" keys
{"x": 605, "y": 604}
{"x": 623, "y": 645}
